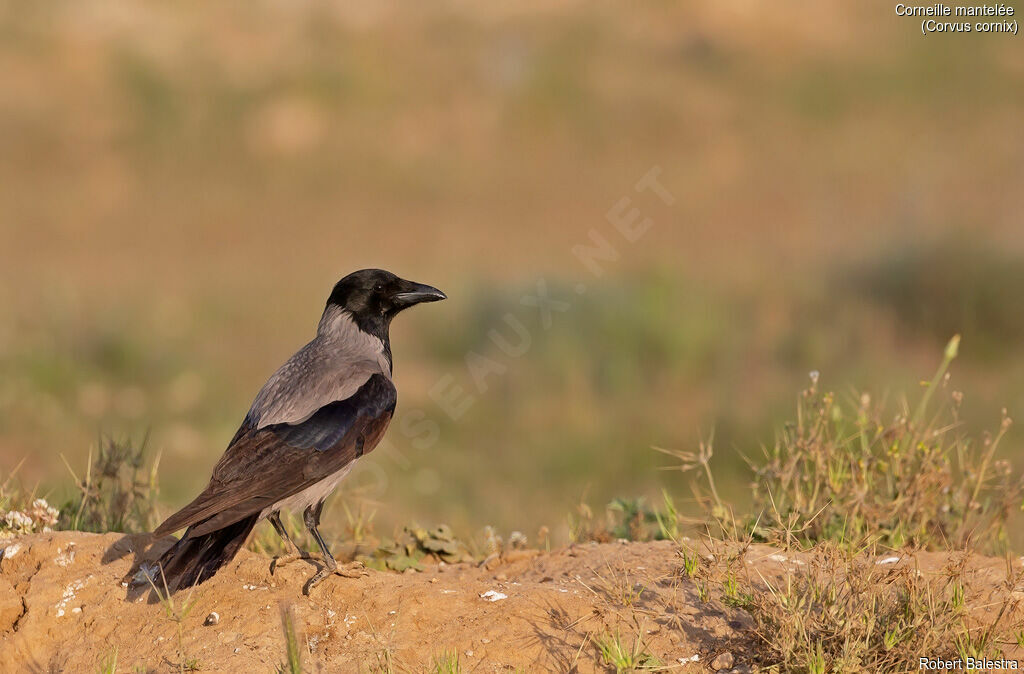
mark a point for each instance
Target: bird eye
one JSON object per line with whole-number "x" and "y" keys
{"x": 379, "y": 287}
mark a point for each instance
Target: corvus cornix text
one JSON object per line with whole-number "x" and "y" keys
{"x": 321, "y": 411}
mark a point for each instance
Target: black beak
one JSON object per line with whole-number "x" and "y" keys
{"x": 418, "y": 292}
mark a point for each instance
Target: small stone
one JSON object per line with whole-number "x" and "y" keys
{"x": 493, "y": 595}
{"x": 212, "y": 619}
{"x": 433, "y": 580}
{"x": 723, "y": 661}
{"x": 501, "y": 577}
{"x": 10, "y": 551}
{"x": 742, "y": 669}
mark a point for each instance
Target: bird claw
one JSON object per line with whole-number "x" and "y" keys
{"x": 282, "y": 560}
{"x": 350, "y": 570}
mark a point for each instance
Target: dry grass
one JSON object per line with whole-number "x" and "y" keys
{"x": 293, "y": 653}
{"x": 177, "y": 612}
{"x": 909, "y": 478}
{"x": 862, "y": 474}
{"x": 117, "y": 492}
{"x": 625, "y": 655}
{"x": 843, "y": 483}
{"x": 446, "y": 662}
{"x": 847, "y": 613}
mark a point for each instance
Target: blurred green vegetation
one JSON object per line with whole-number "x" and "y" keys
{"x": 653, "y": 361}
{"x": 950, "y": 286}
{"x": 179, "y": 186}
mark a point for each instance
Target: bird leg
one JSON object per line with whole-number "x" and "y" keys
{"x": 311, "y": 517}
{"x": 294, "y": 552}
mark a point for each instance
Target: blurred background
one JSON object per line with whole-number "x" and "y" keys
{"x": 180, "y": 186}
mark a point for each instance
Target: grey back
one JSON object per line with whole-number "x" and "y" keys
{"x": 330, "y": 368}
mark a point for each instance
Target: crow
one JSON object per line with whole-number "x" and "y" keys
{"x": 328, "y": 405}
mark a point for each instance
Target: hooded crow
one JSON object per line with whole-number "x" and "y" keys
{"x": 324, "y": 408}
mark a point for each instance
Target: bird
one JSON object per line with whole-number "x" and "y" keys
{"x": 327, "y": 406}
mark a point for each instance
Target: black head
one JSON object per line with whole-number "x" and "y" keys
{"x": 375, "y": 296}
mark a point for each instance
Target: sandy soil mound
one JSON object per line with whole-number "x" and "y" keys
{"x": 63, "y": 608}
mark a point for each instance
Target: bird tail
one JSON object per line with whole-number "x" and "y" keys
{"x": 194, "y": 559}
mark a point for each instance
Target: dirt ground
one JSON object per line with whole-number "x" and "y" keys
{"x": 64, "y": 607}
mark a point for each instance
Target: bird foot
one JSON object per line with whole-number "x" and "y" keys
{"x": 350, "y": 570}
{"x": 282, "y": 560}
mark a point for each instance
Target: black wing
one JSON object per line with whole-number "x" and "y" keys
{"x": 264, "y": 466}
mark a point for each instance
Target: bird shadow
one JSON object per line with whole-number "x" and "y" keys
{"x": 143, "y": 572}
